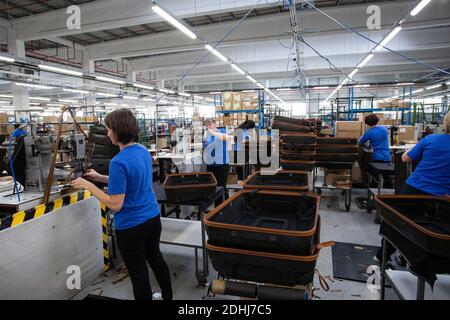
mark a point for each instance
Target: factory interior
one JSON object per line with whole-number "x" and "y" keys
{"x": 225, "y": 150}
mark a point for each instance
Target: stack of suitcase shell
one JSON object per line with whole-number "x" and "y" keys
{"x": 285, "y": 124}
{"x": 267, "y": 233}
{"x": 298, "y": 151}
{"x": 104, "y": 150}
{"x": 336, "y": 150}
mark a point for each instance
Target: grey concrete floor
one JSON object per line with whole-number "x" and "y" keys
{"x": 355, "y": 226}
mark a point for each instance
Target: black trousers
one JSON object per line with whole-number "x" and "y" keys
{"x": 407, "y": 189}
{"x": 386, "y": 177}
{"x": 139, "y": 245}
{"x": 221, "y": 175}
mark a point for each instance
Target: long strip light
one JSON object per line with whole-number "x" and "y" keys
{"x": 75, "y": 91}
{"x": 100, "y": 78}
{"x": 260, "y": 85}
{"x": 249, "y": 77}
{"x": 131, "y": 98}
{"x": 365, "y": 61}
{"x": 389, "y": 37}
{"x": 7, "y": 59}
{"x": 60, "y": 70}
{"x": 353, "y": 73}
{"x": 184, "y": 94}
{"x": 166, "y": 91}
{"x": 434, "y": 86}
{"x": 67, "y": 100}
{"x": 36, "y": 86}
{"x": 106, "y": 94}
{"x": 216, "y": 53}
{"x": 141, "y": 86}
{"x": 6, "y": 96}
{"x": 173, "y": 21}
{"x": 235, "y": 67}
{"x": 419, "y": 7}
{"x": 40, "y": 99}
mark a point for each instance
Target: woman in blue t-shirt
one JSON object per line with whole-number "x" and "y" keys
{"x": 432, "y": 175}
{"x": 216, "y": 154}
{"x": 131, "y": 197}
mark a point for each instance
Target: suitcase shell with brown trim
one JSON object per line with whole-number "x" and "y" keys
{"x": 289, "y": 180}
{"x": 197, "y": 186}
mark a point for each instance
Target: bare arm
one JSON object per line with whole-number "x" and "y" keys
{"x": 114, "y": 202}
{"x": 406, "y": 158}
{"x": 95, "y": 176}
{"x": 219, "y": 135}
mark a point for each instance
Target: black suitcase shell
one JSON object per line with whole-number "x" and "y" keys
{"x": 267, "y": 220}
{"x": 264, "y": 267}
{"x": 283, "y": 180}
{"x": 336, "y": 141}
{"x": 297, "y": 165}
{"x": 298, "y": 138}
{"x": 424, "y": 220}
{"x": 195, "y": 186}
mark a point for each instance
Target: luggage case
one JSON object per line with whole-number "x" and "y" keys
{"x": 268, "y": 220}
{"x": 424, "y": 220}
{"x": 290, "y": 127}
{"x": 195, "y": 186}
{"x": 336, "y": 141}
{"x": 338, "y": 157}
{"x": 99, "y": 139}
{"x": 302, "y": 122}
{"x": 282, "y": 180}
{"x": 290, "y": 147}
{"x": 98, "y": 129}
{"x": 297, "y": 165}
{"x": 337, "y": 149}
{"x": 264, "y": 267}
{"x": 298, "y": 138}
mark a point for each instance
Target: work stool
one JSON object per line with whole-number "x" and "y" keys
{"x": 377, "y": 172}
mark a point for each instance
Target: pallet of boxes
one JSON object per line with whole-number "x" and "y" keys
{"x": 233, "y": 111}
{"x": 297, "y": 142}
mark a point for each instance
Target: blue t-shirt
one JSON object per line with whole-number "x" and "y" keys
{"x": 379, "y": 139}
{"x": 432, "y": 175}
{"x": 213, "y": 144}
{"x": 130, "y": 173}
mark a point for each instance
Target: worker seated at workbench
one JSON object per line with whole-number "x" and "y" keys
{"x": 378, "y": 137}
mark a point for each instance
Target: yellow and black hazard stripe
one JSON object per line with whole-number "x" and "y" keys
{"x": 42, "y": 209}
{"x": 106, "y": 257}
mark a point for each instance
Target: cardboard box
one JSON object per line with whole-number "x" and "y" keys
{"x": 349, "y": 129}
{"x": 227, "y": 96}
{"x": 162, "y": 143}
{"x": 232, "y": 178}
{"x": 219, "y": 108}
{"x": 237, "y": 98}
{"x": 227, "y": 105}
{"x": 356, "y": 173}
{"x": 237, "y": 105}
{"x": 406, "y": 133}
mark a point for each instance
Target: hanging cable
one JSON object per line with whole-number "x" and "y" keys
{"x": 377, "y": 43}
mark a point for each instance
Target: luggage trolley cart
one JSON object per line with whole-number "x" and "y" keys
{"x": 319, "y": 180}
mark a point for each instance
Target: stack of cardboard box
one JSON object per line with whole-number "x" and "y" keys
{"x": 396, "y": 103}
{"x": 4, "y": 120}
{"x": 349, "y": 129}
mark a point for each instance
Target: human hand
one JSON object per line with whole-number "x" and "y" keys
{"x": 81, "y": 183}
{"x": 93, "y": 175}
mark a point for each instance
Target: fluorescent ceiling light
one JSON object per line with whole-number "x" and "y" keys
{"x": 249, "y": 91}
{"x": 353, "y": 73}
{"x": 419, "y": 7}
{"x": 173, "y": 21}
{"x": 364, "y": 62}
{"x": 321, "y": 87}
{"x": 216, "y": 53}
{"x": 344, "y": 82}
{"x": 389, "y": 37}
{"x": 361, "y": 85}
{"x": 109, "y": 80}
{"x": 143, "y": 86}
{"x": 36, "y": 86}
{"x": 404, "y": 84}
{"x": 110, "y": 104}
{"x": 184, "y": 94}
{"x": 235, "y": 67}
{"x": 40, "y": 99}
{"x": 60, "y": 70}
{"x": 76, "y": 91}
{"x": 55, "y": 105}
{"x": 130, "y": 98}
{"x": 106, "y": 94}
{"x": 67, "y": 100}
{"x": 417, "y": 91}
{"x": 249, "y": 77}
{"x": 284, "y": 89}
{"x": 6, "y": 96}
{"x": 148, "y": 99}
{"x": 35, "y": 104}
{"x": 199, "y": 97}
{"x": 166, "y": 91}
{"x": 434, "y": 86}
{"x": 215, "y": 92}
{"x": 260, "y": 85}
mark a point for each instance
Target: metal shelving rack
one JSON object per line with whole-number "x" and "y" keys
{"x": 259, "y": 111}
